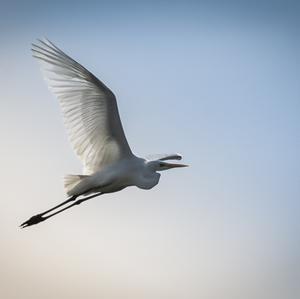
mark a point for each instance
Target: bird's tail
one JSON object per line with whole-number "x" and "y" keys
{"x": 71, "y": 180}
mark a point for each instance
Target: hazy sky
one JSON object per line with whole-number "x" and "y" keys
{"x": 217, "y": 81}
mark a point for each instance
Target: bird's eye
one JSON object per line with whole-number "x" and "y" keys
{"x": 161, "y": 165}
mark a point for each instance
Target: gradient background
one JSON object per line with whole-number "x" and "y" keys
{"x": 215, "y": 81}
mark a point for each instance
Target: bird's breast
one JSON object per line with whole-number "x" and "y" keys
{"x": 147, "y": 181}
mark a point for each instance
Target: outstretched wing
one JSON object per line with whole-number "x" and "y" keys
{"x": 89, "y": 108}
{"x": 163, "y": 157}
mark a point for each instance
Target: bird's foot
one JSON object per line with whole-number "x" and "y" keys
{"x": 33, "y": 220}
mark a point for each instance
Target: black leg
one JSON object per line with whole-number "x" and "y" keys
{"x": 39, "y": 217}
{"x": 72, "y": 198}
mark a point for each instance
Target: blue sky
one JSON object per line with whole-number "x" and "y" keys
{"x": 216, "y": 82}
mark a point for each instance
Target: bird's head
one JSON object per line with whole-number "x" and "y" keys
{"x": 160, "y": 164}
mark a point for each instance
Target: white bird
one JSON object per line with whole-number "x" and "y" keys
{"x": 95, "y": 130}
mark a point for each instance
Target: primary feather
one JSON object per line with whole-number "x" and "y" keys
{"x": 89, "y": 108}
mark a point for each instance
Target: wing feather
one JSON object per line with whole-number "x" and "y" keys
{"x": 89, "y": 108}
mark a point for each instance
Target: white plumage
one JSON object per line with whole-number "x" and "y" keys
{"x": 95, "y": 131}
{"x": 89, "y": 108}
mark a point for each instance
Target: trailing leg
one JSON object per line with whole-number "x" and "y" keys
{"x": 39, "y": 217}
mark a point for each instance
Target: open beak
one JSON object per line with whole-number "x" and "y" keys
{"x": 174, "y": 165}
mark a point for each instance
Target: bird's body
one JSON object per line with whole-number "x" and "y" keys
{"x": 133, "y": 171}
{"x": 95, "y": 130}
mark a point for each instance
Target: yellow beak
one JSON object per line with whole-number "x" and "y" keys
{"x": 174, "y": 165}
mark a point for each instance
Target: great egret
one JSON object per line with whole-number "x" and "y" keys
{"x": 93, "y": 123}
